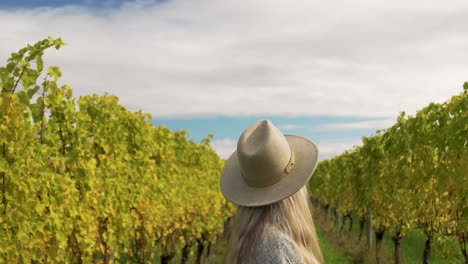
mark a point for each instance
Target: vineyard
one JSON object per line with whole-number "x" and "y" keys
{"x": 412, "y": 175}
{"x": 85, "y": 180}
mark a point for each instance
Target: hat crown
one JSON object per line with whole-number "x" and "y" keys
{"x": 263, "y": 153}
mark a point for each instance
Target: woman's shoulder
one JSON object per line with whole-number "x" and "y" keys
{"x": 276, "y": 247}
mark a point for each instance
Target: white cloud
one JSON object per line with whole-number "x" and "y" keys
{"x": 373, "y": 124}
{"x": 328, "y": 150}
{"x": 224, "y": 147}
{"x": 360, "y": 125}
{"x": 241, "y": 57}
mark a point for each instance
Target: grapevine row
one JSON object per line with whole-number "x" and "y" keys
{"x": 412, "y": 175}
{"x": 85, "y": 180}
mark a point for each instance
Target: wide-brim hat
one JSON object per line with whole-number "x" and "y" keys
{"x": 267, "y": 166}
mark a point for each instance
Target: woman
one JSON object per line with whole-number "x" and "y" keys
{"x": 266, "y": 177}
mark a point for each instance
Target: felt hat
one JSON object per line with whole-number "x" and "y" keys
{"x": 267, "y": 166}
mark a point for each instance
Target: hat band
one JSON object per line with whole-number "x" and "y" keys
{"x": 257, "y": 182}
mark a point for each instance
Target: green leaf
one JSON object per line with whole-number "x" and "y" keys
{"x": 10, "y": 66}
{"x": 54, "y": 72}
{"x": 40, "y": 64}
{"x": 52, "y": 250}
{"x": 28, "y": 78}
{"x": 3, "y": 165}
{"x": 36, "y": 110}
{"x": 31, "y": 92}
{"x": 23, "y": 97}
{"x": 39, "y": 208}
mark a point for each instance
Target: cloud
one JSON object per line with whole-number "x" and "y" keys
{"x": 224, "y": 147}
{"x": 361, "y": 125}
{"x": 238, "y": 57}
{"x": 372, "y": 124}
{"x": 328, "y": 150}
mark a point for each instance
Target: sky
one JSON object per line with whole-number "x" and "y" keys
{"x": 332, "y": 71}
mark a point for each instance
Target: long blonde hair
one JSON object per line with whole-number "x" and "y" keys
{"x": 292, "y": 216}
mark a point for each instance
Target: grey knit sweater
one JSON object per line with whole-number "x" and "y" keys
{"x": 275, "y": 247}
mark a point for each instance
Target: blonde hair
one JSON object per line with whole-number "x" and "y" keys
{"x": 292, "y": 216}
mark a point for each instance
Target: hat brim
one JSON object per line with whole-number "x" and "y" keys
{"x": 236, "y": 190}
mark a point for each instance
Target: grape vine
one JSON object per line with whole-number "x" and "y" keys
{"x": 85, "y": 180}
{"x": 412, "y": 175}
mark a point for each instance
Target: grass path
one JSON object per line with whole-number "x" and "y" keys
{"x": 330, "y": 254}
{"x": 412, "y": 246}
